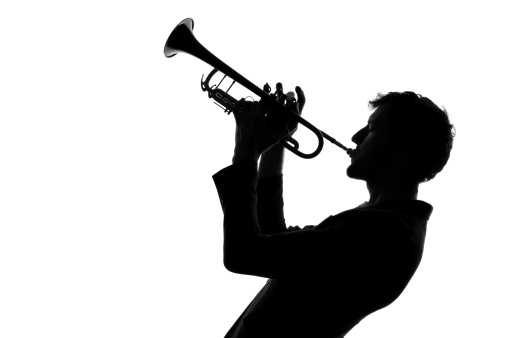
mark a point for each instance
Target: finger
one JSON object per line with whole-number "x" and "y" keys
{"x": 301, "y": 98}
{"x": 265, "y": 105}
{"x": 249, "y": 109}
{"x": 291, "y": 98}
{"x": 238, "y": 108}
{"x": 244, "y": 111}
{"x": 279, "y": 92}
{"x": 296, "y": 108}
{"x": 279, "y": 88}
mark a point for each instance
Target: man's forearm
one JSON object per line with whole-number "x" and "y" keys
{"x": 271, "y": 163}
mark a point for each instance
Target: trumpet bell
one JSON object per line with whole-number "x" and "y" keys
{"x": 181, "y": 38}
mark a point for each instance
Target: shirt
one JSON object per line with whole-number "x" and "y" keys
{"x": 323, "y": 279}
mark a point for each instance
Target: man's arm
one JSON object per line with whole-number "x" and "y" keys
{"x": 270, "y": 184}
{"x": 359, "y": 247}
{"x": 270, "y": 191}
{"x": 271, "y": 163}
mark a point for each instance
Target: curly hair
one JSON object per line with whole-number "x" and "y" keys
{"x": 416, "y": 120}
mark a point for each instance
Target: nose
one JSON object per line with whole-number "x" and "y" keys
{"x": 360, "y": 135}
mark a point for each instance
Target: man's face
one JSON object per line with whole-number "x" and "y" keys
{"x": 373, "y": 153}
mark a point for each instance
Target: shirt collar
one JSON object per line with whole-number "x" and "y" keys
{"x": 417, "y": 207}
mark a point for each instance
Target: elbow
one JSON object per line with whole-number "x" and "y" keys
{"x": 236, "y": 261}
{"x": 228, "y": 266}
{"x": 240, "y": 258}
{"x": 237, "y": 268}
{"x": 231, "y": 264}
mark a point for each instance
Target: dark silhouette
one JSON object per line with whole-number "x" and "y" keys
{"x": 324, "y": 279}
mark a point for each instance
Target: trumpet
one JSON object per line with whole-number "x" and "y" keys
{"x": 182, "y": 40}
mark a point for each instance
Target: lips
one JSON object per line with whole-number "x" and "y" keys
{"x": 353, "y": 153}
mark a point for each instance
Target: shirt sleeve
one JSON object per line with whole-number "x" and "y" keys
{"x": 270, "y": 205}
{"x": 360, "y": 246}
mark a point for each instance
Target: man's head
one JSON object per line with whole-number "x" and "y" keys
{"x": 407, "y": 135}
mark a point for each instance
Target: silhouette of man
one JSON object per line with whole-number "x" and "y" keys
{"x": 324, "y": 279}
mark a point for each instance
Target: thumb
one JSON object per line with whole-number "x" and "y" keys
{"x": 293, "y": 123}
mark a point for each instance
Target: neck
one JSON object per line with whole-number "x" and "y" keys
{"x": 392, "y": 189}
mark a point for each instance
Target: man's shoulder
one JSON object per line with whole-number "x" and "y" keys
{"x": 362, "y": 217}
{"x": 391, "y": 214}
{"x": 368, "y": 225}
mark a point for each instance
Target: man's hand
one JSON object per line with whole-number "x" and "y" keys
{"x": 297, "y": 105}
{"x": 255, "y": 132}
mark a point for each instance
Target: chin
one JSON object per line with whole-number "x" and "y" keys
{"x": 352, "y": 172}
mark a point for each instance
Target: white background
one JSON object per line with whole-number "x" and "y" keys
{"x": 110, "y": 223}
